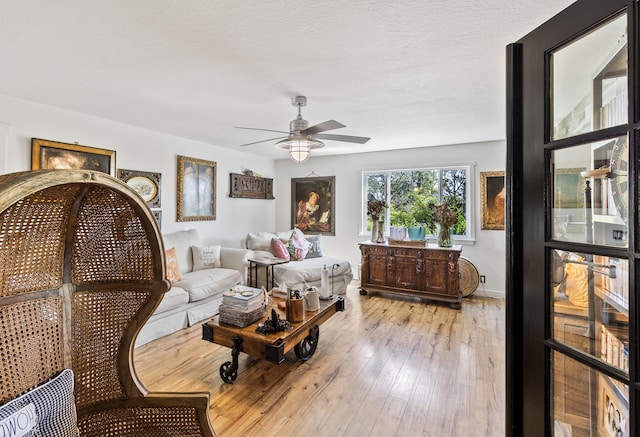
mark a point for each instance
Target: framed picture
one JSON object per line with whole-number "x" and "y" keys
{"x": 196, "y": 189}
{"x": 568, "y": 192}
{"x": 47, "y": 154}
{"x": 492, "y": 195}
{"x": 158, "y": 216}
{"x": 146, "y": 184}
{"x": 313, "y": 205}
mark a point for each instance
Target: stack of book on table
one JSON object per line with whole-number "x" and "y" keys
{"x": 241, "y": 306}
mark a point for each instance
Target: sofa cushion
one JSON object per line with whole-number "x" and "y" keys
{"x": 298, "y": 246}
{"x": 316, "y": 250}
{"x": 310, "y": 270}
{"x": 205, "y": 257}
{"x": 173, "y": 298}
{"x": 204, "y": 283}
{"x": 173, "y": 266}
{"x": 260, "y": 240}
{"x": 279, "y": 249}
{"x": 47, "y": 410}
{"x": 182, "y": 241}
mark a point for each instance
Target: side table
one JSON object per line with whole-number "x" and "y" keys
{"x": 268, "y": 264}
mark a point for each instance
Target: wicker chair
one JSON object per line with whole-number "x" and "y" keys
{"x": 82, "y": 268}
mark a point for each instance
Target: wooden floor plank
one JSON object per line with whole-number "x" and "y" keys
{"x": 386, "y": 366}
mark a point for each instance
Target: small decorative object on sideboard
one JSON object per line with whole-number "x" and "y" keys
{"x": 374, "y": 209}
{"x": 445, "y": 217}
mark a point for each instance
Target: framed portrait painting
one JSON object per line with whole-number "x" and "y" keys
{"x": 47, "y": 154}
{"x": 196, "y": 189}
{"x": 492, "y": 196}
{"x": 313, "y": 205}
{"x": 146, "y": 184}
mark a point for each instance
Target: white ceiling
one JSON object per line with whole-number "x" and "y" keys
{"x": 409, "y": 73}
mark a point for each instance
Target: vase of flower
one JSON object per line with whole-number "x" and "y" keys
{"x": 445, "y": 217}
{"x": 380, "y": 235}
{"x": 374, "y": 230}
{"x": 444, "y": 236}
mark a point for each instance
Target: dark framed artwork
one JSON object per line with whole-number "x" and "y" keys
{"x": 147, "y": 185}
{"x": 492, "y": 196}
{"x": 47, "y": 154}
{"x": 313, "y": 205}
{"x": 196, "y": 189}
{"x": 568, "y": 189}
{"x": 158, "y": 216}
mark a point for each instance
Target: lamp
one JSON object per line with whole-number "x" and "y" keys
{"x": 299, "y": 146}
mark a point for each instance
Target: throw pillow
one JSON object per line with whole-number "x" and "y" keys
{"x": 47, "y": 410}
{"x": 298, "y": 246}
{"x": 173, "y": 268}
{"x": 316, "y": 250}
{"x": 279, "y": 249}
{"x": 205, "y": 257}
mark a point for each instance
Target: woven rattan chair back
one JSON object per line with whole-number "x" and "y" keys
{"x": 81, "y": 269}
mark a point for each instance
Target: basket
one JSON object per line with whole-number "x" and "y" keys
{"x": 240, "y": 318}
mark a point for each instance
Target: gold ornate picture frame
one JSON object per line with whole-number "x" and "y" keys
{"x": 196, "y": 196}
{"x": 46, "y": 154}
{"x": 492, "y": 197}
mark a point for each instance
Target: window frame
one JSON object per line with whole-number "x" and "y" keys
{"x": 468, "y": 238}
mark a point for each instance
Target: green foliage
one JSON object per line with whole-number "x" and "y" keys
{"x": 413, "y": 190}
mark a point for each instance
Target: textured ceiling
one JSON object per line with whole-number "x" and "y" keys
{"x": 411, "y": 73}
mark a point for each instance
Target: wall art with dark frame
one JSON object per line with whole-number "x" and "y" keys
{"x": 46, "y": 154}
{"x": 492, "y": 197}
{"x": 148, "y": 185}
{"x": 313, "y": 205}
{"x": 196, "y": 189}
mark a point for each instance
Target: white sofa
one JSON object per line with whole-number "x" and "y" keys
{"x": 296, "y": 273}
{"x": 198, "y": 295}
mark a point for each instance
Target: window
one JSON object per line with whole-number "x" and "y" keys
{"x": 409, "y": 192}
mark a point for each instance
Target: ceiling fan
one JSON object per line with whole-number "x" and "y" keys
{"x": 301, "y": 138}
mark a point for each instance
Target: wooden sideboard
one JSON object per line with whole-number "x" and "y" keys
{"x": 427, "y": 271}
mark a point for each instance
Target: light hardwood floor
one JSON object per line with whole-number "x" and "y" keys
{"x": 386, "y": 366}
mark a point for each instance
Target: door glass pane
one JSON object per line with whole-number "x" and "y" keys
{"x": 590, "y": 304}
{"x": 575, "y": 389}
{"x": 589, "y": 81}
{"x": 589, "y": 193}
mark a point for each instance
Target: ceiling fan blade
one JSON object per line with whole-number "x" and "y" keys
{"x": 266, "y": 130}
{"x": 322, "y": 127}
{"x": 262, "y": 141}
{"x": 345, "y": 138}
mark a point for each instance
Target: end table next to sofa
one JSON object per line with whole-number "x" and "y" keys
{"x": 268, "y": 264}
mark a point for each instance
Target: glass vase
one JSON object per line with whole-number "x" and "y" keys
{"x": 380, "y": 234}
{"x": 444, "y": 236}
{"x": 374, "y": 230}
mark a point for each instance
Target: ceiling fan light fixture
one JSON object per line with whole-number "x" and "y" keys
{"x": 299, "y": 147}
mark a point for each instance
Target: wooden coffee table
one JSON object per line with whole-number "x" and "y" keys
{"x": 302, "y": 337}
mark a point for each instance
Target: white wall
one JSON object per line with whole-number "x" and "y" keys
{"x": 140, "y": 149}
{"x": 487, "y": 254}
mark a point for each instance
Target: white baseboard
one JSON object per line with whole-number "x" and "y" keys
{"x": 489, "y": 293}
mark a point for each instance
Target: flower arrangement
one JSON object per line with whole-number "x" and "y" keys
{"x": 375, "y": 207}
{"x": 443, "y": 215}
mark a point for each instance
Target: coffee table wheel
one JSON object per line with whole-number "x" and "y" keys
{"x": 305, "y": 349}
{"x": 228, "y": 373}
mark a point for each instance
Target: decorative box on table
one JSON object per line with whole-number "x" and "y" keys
{"x": 240, "y": 318}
